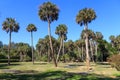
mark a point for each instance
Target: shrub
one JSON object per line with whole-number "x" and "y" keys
{"x": 114, "y": 60}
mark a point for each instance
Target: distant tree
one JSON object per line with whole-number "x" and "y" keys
{"x": 43, "y": 48}
{"x": 61, "y": 31}
{"x": 31, "y": 28}
{"x": 23, "y": 50}
{"x": 117, "y": 43}
{"x": 102, "y": 50}
{"x": 10, "y": 25}
{"x": 80, "y": 44}
{"x": 112, "y": 38}
{"x": 84, "y": 17}
{"x": 48, "y": 12}
{"x": 98, "y": 37}
{"x": 70, "y": 50}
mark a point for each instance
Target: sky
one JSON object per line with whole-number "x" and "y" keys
{"x": 26, "y": 12}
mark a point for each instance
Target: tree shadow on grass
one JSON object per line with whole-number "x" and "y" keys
{"x": 6, "y": 66}
{"x": 41, "y": 63}
{"x": 55, "y": 75}
{"x": 103, "y": 63}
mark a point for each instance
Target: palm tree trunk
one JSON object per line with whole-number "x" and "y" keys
{"x": 51, "y": 46}
{"x": 21, "y": 57}
{"x": 59, "y": 50}
{"x": 96, "y": 46}
{"x": 82, "y": 54}
{"x": 79, "y": 52}
{"x": 9, "y": 48}
{"x": 91, "y": 48}
{"x": 32, "y": 47}
{"x": 63, "y": 50}
{"x": 87, "y": 49}
{"x": 48, "y": 55}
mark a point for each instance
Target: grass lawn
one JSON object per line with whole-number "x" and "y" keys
{"x": 64, "y": 71}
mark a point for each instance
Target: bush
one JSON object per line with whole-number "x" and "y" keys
{"x": 114, "y": 60}
{"x": 44, "y": 58}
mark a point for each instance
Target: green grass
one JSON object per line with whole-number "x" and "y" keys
{"x": 47, "y": 71}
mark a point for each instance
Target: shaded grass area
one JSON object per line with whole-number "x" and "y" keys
{"x": 55, "y": 75}
{"x": 5, "y": 65}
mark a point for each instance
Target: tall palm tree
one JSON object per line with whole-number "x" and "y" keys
{"x": 61, "y": 31}
{"x": 48, "y": 12}
{"x": 84, "y": 17}
{"x": 30, "y": 28}
{"x": 10, "y": 25}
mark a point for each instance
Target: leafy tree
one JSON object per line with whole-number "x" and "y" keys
{"x": 84, "y": 17}
{"x": 48, "y": 12}
{"x": 61, "y": 31}
{"x": 30, "y": 28}
{"x": 103, "y": 52}
{"x": 24, "y": 51}
{"x": 10, "y": 25}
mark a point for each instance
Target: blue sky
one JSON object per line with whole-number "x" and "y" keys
{"x": 26, "y": 12}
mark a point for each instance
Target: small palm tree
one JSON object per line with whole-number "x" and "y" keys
{"x": 31, "y": 28}
{"x": 61, "y": 31}
{"x": 112, "y": 38}
{"x": 10, "y": 25}
{"x": 84, "y": 17}
{"x": 48, "y": 12}
{"x": 98, "y": 36}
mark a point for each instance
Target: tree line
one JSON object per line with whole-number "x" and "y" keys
{"x": 74, "y": 51}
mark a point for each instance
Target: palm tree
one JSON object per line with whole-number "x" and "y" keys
{"x": 112, "y": 38}
{"x": 10, "y": 25}
{"x": 30, "y": 28}
{"x": 84, "y": 17}
{"x": 48, "y": 12}
{"x": 98, "y": 36}
{"x": 61, "y": 31}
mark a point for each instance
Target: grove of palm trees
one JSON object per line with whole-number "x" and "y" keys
{"x": 91, "y": 57}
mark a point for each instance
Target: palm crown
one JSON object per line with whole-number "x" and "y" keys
{"x": 61, "y": 30}
{"x": 48, "y": 12}
{"x": 31, "y": 28}
{"x": 10, "y": 25}
{"x": 85, "y": 16}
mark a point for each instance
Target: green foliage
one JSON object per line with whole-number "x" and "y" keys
{"x": 31, "y": 28}
{"x": 48, "y": 12}
{"x": 85, "y": 16}
{"x": 10, "y": 25}
{"x": 115, "y": 61}
{"x": 44, "y": 58}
